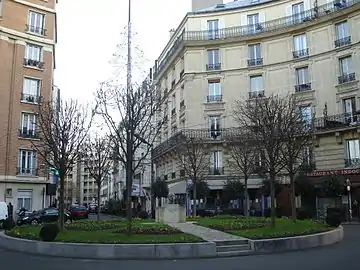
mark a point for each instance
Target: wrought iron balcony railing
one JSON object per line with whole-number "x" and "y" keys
{"x": 257, "y": 94}
{"x": 215, "y": 66}
{"x": 27, "y": 171}
{"x": 345, "y": 78}
{"x": 34, "y": 63}
{"x": 30, "y": 98}
{"x": 352, "y": 162}
{"x": 338, "y": 121}
{"x": 255, "y": 62}
{"x": 301, "y": 53}
{"x": 28, "y": 133}
{"x": 35, "y": 30}
{"x": 216, "y": 170}
{"x": 302, "y": 87}
{"x": 249, "y": 30}
{"x": 214, "y": 98}
{"x": 342, "y": 42}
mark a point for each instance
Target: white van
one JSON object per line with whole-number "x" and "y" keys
{"x": 3, "y": 212}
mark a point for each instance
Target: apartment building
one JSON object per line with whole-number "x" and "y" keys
{"x": 27, "y": 54}
{"x": 254, "y": 48}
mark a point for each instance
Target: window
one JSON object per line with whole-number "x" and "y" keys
{"x": 182, "y": 93}
{"x": 213, "y": 29}
{"x": 28, "y": 125}
{"x": 214, "y": 126}
{"x": 307, "y": 156}
{"x": 349, "y": 109}
{"x": 1, "y": 7}
{"x": 214, "y": 91}
{"x": 213, "y": 60}
{"x": 302, "y": 79}
{"x": 31, "y": 90}
{"x": 253, "y": 23}
{"x": 216, "y": 162}
{"x": 254, "y": 55}
{"x": 24, "y": 199}
{"x": 33, "y": 52}
{"x": 27, "y": 162}
{"x": 173, "y": 101}
{"x": 300, "y": 46}
{"x": 306, "y": 114}
{"x": 345, "y": 65}
{"x": 36, "y": 23}
{"x": 342, "y": 30}
{"x": 353, "y": 153}
{"x": 256, "y": 86}
{"x": 298, "y": 12}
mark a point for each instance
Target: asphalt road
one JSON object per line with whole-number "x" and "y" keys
{"x": 339, "y": 256}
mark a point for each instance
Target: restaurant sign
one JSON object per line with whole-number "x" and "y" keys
{"x": 337, "y": 172}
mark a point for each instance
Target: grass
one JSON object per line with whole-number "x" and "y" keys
{"x": 110, "y": 232}
{"x": 259, "y": 228}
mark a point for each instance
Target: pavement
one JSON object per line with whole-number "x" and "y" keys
{"x": 339, "y": 256}
{"x": 103, "y": 217}
{"x": 205, "y": 233}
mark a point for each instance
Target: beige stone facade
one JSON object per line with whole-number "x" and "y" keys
{"x": 27, "y": 42}
{"x": 241, "y": 52}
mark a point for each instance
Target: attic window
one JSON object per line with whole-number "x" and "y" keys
{"x": 220, "y": 5}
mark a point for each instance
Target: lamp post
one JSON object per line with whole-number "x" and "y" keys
{"x": 348, "y": 188}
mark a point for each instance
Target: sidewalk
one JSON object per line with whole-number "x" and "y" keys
{"x": 207, "y": 234}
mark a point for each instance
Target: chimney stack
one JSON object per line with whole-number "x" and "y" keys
{"x": 202, "y": 4}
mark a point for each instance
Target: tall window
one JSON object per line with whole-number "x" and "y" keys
{"x": 256, "y": 86}
{"x": 302, "y": 79}
{"x": 214, "y": 91}
{"x": 349, "y": 109}
{"x": 213, "y": 29}
{"x": 298, "y": 12}
{"x": 28, "y": 124}
{"x": 307, "y": 155}
{"x": 214, "y": 123}
{"x": 173, "y": 101}
{"x": 353, "y": 152}
{"x": 36, "y": 23}
{"x": 213, "y": 57}
{"x": 300, "y": 46}
{"x": 254, "y": 51}
{"x": 27, "y": 162}
{"x": 24, "y": 199}
{"x": 34, "y": 52}
{"x": 306, "y": 115}
{"x": 216, "y": 162}
{"x": 253, "y": 23}
{"x": 342, "y": 34}
{"x": 345, "y": 65}
{"x": 31, "y": 90}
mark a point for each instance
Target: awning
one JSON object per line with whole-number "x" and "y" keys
{"x": 177, "y": 188}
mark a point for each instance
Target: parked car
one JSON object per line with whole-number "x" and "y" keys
{"x": 78, "y": 212}
{"x": 3, "y": 212}
{"x": 93, "y": 208}
{"x": 43, "y": 216}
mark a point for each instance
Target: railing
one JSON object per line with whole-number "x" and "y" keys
{"x": 35, "y": 30}
{"x": 216, "y": 170}
{"x": 345, "y": 78}
{"x": 302, "y": 87}
{"x": 27, "y": 171}
{"x": 338, "y": 121}
{"x": 255, "y": 62}
{"x": 215, "y": 66}
{"x": 342, "y": 42}
{"x": 257, "y": 94}
{"x": 249, "y": 30}
{"x": 33, "y": 63}
{"x": 30, "y": 98}
{"x": 27, "y": 133}
{"x": 214, "y": 98}
{"x": 300, "y": 53}
{"x": 352, "y": 162}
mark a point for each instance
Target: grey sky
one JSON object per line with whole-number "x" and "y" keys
{"x": 88, "y": 31}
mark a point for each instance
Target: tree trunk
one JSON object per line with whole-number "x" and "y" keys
{"x": 272, "y": 197}
{"x": 98, "y": 195}
{"x": 61, "y": 202}
{"x": 129, "y": 165}
{"x": 246, "y": 196}
{"x": 194, "y": 198}
{"x": 292, "y": 197}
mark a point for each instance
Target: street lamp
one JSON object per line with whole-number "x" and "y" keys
{"x": 348, "y": 188}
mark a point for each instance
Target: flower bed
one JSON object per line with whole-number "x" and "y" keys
{"x": 110, "y": 232}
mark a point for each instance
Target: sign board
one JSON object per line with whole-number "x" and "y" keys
{"x": 337, "y": 172}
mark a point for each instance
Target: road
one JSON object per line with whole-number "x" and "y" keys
{"x": 344, "y": 254}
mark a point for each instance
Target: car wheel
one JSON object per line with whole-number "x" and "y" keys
{"x": 34, "y": 222}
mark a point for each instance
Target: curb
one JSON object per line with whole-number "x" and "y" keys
{"x": 165, "y": 251}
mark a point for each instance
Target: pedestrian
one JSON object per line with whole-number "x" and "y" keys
{"x": 10, "y": 210}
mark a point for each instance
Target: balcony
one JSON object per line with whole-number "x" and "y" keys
{"x": 34, "y": 63}
{"x": 352, "y": 162}
{"x": 35, "y": 30}
{"x": 309, "y": 16}
{"x": 342, "y": 42}
{"x": 213, "y": 67}
{"x": 301, "y": 53}
{"x": 302, "y": 87}
{"x": 22, "y": 171}
{"x": 338, "y": 121}
{"x": 28, "y": 133}
{"x": 257, "y": 94}
{"x": 214, "y": 98}
{"x": 255, "y": 62}
{"x": 346, "y": 78}
{"x": 30, "y": 98}
{"x": 216, "y": 171}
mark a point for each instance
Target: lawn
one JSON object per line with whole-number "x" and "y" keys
{"x": 259, "y": 228}
{"x": 111, "y": 232}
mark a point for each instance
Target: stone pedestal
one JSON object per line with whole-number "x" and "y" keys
{"x": 170, "y": 213}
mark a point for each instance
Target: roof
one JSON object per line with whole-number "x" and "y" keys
{"x": 237, "y": 4}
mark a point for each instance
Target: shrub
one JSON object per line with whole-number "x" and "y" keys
{"x": 8, "y": 224}
{"x": 333, "y": 217}
{"x": 143, "y": 215}
{"x": 49, "y": 232}
{"x": 233, "y": 212}
{"x": 302, "y": 214}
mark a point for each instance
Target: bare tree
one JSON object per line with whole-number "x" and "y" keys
{"x": 243, "y": 156}
{"x": 63, "y": 127}
{"x": 297, "y": 129}
{"x": 130, "y": 115}
{"x": 264, "y": 118}
{"x": 193, "y": 157}
{"x": 97, "y": 158}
